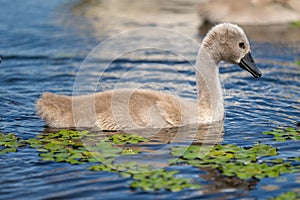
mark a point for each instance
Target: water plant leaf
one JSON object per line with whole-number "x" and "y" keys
{"x": 146, "y": 178}
{"x": 9, "y": 143}
{"x": 232, "y": 160}
{"x": 130, "y": 151}
{"x": 284, "y": 134}
{"x": 262, "y": 150}
{"x": 229, "y": 159}
{"x": 162, "y": 179}
{"x": 295, "y": 24}
{"x": 291, "y": 195}
{"x": 122, "y": 139}
{"x": 68, "y": 146}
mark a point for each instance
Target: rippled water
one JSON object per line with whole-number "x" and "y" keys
{"x": 43, "y": 46}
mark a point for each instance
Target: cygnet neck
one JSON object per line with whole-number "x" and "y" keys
{"x": 210, "y": 95}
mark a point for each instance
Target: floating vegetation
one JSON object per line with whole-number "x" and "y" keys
{"x": 82, "y": 147}
{"x": 295, "y": 24}
{"x": 67, "y": 146}
{"x": 288, "y": 195}
{"x": 162, "y": 179}
{"x": 148, "y": 179}
{"x": 9, "y": 143}
{"x": 122, "y": 139}
{"x": 127, "y": 169}
{"x": 79, "y": 147}
{"x": 232, "y": 160}
{"x": 297, "y": 63}
{"x": 284, "y": 134}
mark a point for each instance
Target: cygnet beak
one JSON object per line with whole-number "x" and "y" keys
{"x": 247, "y": 63}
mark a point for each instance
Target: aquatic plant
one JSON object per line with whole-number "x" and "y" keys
{"x": 82, "y": 147}
{"x": 146, "y": 178}
{"x": 9, "y": 143}
{"x": 288, "y": 195}
{"x": 162, "y": 179}
{"x": 295, "y": 24}
{"x": 126, "y": 139}
{"x": 232, "y": 160}
{"x": 79, "y": 147}
{"x": 284, "y": 134}
{"x": 68, "y": 146}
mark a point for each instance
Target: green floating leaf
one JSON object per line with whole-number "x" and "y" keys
{"x": 68, "y": 146}
{"x": 284, "y": 134}
{"x": 162, "y": 179}
{"x": 146, "y": 178}
{"x": 232, "y": 160}
{"x": 262, "y": 150}
{"x": 129, "y": 152}
{"x": 229, "y": 159}
{"x": 295, "y": 24}
{"x": 9, "y": 143}
{"x": 121, "y": 139}
{"x": 288, "y": 195}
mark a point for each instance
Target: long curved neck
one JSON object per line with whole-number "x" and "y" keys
{"x": 210, "y": 95}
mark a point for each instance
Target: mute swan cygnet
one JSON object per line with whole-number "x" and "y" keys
{"x": 135, "y": 109}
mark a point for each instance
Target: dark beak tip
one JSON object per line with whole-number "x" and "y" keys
{"x": 258, "y": 76}
{"x": 247, "y": 63}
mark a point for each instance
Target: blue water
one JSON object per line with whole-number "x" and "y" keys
{"x": 43, "y": 46}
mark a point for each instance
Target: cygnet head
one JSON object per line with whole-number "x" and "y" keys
{"x": 228, "y": 42}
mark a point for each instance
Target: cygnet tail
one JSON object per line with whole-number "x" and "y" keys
{"x": 56, "y": 110}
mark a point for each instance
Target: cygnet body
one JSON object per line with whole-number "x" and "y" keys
{"x": 135, "y": 109}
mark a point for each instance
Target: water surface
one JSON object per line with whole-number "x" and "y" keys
{"x": 42, "y": 48}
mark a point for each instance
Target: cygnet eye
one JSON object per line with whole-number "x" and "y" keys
{"x": 242, "y": 45}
